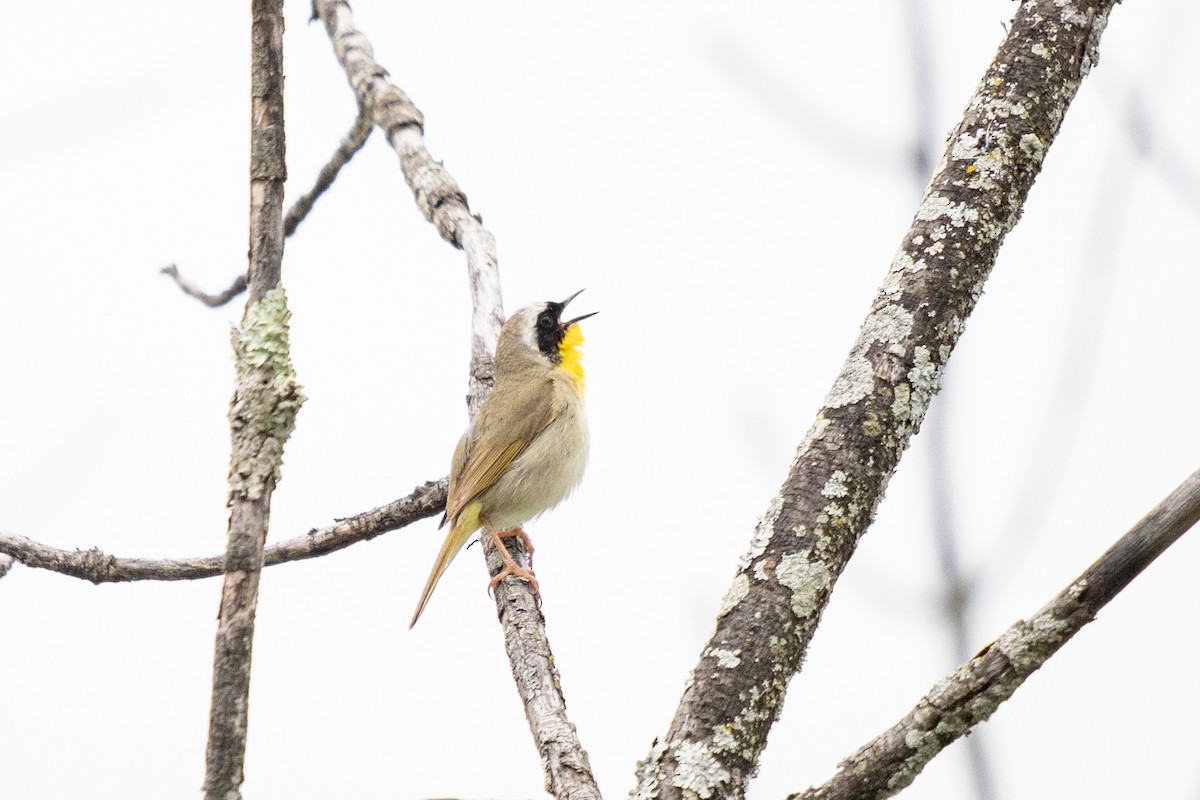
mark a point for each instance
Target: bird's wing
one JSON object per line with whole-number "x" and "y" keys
{"x": 456, "y": 468}
{"x": 501, "y": 436}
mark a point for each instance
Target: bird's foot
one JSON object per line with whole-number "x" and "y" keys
{"x": 511, "y": 568}
{"x": 519, "y": 533}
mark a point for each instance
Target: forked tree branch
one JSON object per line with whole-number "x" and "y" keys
{"x": 830, "y": 494}
{"x": 262, "y": 413}
{"x": 568, "y": 773}
{"x": 973, "y": 692}
{"x": 98, "y": 567}
{"x": 350, "y": 144}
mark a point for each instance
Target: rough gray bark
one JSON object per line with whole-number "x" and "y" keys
{"x": 972, "y": 693}
{"x": 261, "y": 415}
{"x": 93, "y": 565}
{"x": 564, "y": 761}
{"x": 876, "y": 404}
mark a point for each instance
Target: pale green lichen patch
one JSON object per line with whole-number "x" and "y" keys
{"x": 697, "y": 771}
{"x": 890, "y": 324}
{"x": 649, "y": 773}
{"x": 855, "y": 383}
{"x": 266, "y": 397}
{"x": 1028, "y": 645}
{"x": 925, "y": 378}
{"x": 736, "y": 594}
{"x": 723, "y": 740}
{"x": 937, "y": 206}
{"x": 836, "y": 485}
{"x": 808, "y": 581}
{"x": 815, "y": 433}
{"x": 728, "y": 659}
{"x": 836, "y": 516}
{"x": 762, "y": 533}
{"x": 742, "y": 736}
{"x": 901, "y": 401}
{"x": 764, "y": 569}
{"x": 1032, "y": 147}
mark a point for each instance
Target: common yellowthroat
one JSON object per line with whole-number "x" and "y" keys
{"x": 527, "y": 447}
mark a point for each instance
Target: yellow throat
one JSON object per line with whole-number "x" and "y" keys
{"x": 572, "y": 356}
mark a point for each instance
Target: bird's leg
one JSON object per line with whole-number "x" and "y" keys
{"x": 520, "y": 533}
{"x": 510, "y": 566}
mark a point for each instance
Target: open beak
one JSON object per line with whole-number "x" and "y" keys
{"x": 571, "y": 322}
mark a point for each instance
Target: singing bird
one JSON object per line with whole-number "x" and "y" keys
{"x": 527, "y": 448}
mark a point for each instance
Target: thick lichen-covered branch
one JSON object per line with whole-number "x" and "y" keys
{"x": 99, "y": 567}
{"x": 876, "y": 404}
{"x": 973, "y": 692}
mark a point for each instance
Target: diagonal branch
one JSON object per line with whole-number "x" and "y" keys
{"x": 874, "y": 407}
{"x": 98, "y": 567}
{"x": 262, "y": 413}
{"x": 443, "y": 203}
{"x": 973, "y": 692}
{"x": 351, "y": 143}
{"x": 438, "y": 196}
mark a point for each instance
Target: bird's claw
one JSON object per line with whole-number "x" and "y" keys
{"x": 512, "y": 570}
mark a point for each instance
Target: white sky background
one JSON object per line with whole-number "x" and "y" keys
{"x": 730, "y": 185}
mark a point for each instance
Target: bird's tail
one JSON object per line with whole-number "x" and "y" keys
{"x": 465, "y": 525}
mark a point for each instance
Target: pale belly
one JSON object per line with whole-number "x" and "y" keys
{"x": 541, "y": 477}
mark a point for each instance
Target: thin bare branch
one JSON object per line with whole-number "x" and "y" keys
{"x": 973, "y": 692}
{"x": 565, "y": 762}
{"x": 829, "y": 497}
{"x": 350, "y": 144}
{"x": 438, "y": 196}
{"x": 262, "y": 414}
{"x": 98, "y": 567}
{"x": 211, "y": 300}
{"x": 568, "y": 773}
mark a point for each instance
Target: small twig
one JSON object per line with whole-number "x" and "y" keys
{"x": 568, "y": 774}
{"x": 970, "y": 694}
{"x": 350, "y": 144}
{"x": 98, "y": 567}
{"x": 211, "y": 300}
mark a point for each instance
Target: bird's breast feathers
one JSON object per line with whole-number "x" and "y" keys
{"x": 572, "y": 356}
